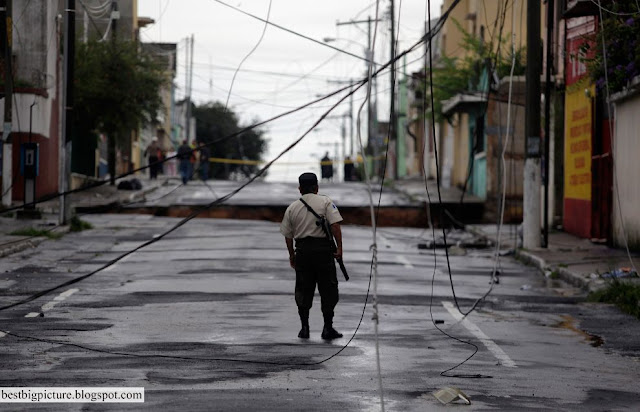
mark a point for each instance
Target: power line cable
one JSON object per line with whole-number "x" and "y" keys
{"x": 99, "y": 8}
{"x": 433, "y": 230}
{"x": 267, "y": 72}
{"x": 289, "y": 30}
{"x": 374, "y": 246}
{"x": 443, "y": 373}
{"x": 264, "y": 30}
{"x": 100, "y": 34}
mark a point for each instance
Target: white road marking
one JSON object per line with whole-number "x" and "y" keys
{"x": 496, "y": 350}
{"x": 2, "y": 334}
{"x": 112, "y": 267}
{"x": 404, "y": 261}
{"x": 51, "y": 304}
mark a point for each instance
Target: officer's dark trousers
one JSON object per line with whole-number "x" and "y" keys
{"x": 315, "y": 265}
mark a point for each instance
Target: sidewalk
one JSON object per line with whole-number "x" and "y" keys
{"x": 575, "y": 260}
{"x": 98, "y": 196}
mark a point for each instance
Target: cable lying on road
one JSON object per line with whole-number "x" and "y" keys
{"x": 159, "y": 355}
{"x": 493, "y": 275}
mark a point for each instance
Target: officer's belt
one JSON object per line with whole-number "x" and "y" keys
{"x": 312, "y": 242}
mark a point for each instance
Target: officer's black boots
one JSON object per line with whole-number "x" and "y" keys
{"x": 328, "y": 332}
{"x": 304, "y": 319}
{"x": 304, "y": 332}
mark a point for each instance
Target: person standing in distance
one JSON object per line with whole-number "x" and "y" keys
{"x": 312, "y": 258}
{"x": 184, "y": 156}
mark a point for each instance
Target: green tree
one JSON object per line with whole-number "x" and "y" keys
{"x": 621, "y": 34}
{"x": 116, "y": 91}
{"x": 214, "y": 125}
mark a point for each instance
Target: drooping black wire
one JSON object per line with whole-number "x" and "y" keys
{"x": 255, "y": 47}
{"x": 160, "y": 355}
{"x": 290, "y": 31}
{"x": 487, "y": 95}
{"x": 444, "y": 232}
{"x": 433, "y": 131}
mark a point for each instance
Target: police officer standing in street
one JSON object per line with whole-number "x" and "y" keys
{"x": 312, "y": 259}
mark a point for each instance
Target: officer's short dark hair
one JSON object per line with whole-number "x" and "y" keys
{"x": 308, "y": 182}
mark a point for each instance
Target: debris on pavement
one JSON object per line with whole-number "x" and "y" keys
{"x": 623, "y": 272}
{"x": 457, "y": 238}
{"x": 131, "y": 184}
{"x": 449, "y": 394}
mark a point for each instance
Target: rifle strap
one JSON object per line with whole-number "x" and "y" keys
{"x": 321, "y": 220}
{"x": 311, "y": 209}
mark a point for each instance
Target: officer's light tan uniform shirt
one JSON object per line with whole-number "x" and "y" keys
{"x": 299, "y": 222}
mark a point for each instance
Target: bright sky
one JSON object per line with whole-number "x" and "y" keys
{"x": 271, "y": 80}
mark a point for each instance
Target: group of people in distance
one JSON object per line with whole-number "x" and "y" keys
{"x": 190, "y": 158}
{"x": 351, "y": 173}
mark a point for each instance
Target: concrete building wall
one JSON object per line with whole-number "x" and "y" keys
{"x": 478, "y": 17}
{"x": 451, "y": 36}
{"x": 626, "y": 149}
{"x": 461, "y": 150}
{"x": 496, "y": 134}
{"x": 29, "y": 45}
{"x": 36, "y": 46}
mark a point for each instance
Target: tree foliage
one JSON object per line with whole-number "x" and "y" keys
{"x": 621, "y": 35}
{"x": 453, "y": 75}
{"x": 116, "y": 87}
{"x": 214, "y": 125}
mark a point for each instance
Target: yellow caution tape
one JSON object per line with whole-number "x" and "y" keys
{"x": 260, "y": 162}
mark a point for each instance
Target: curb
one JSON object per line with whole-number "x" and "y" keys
{"x": 531, "y": 258}
{"x": 21, "y": 245}
{"x": 30, "y": 242}
{"x": 565, "y": 274}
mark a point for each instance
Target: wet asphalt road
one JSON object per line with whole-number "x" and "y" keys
{"x": 205, "y": 320}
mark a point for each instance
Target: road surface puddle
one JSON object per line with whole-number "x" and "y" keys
{"x": 569, "y": 323}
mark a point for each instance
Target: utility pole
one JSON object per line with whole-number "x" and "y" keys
{"x": 7, "y": 178}
{"x": 188, "y": 85}
{"x": 370, "y": 109}
{"x": 115, "y": 15}
{"x": 392, "y": 116}
{"x": 531, "y": 209}
{"x": 67, "y": 104}
{"x": 547, "y": 118}
{"x": 351, "y": 126}
{"x": 426, "y": 154}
